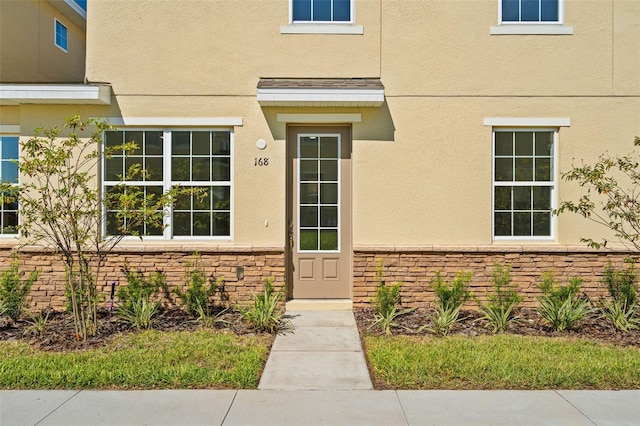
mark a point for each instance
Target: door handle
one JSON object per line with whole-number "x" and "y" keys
{"x": 290, "y": 233}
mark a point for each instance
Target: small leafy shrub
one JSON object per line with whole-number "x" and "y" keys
{"x": 136, "y": 306}
{"x": 14, "y": 289}
{"x": 449, "y": 300}
{"x": 199, "y": 288}
{"x": 386, "y": 302}
{"x": 560, "y": 306}
{"x": 621, "y": 310}
{"x": 139, "y": 287}
{"x": 264, "y": 314}
{"x": 622, "y": 284}
{"x": 499, "y": 311}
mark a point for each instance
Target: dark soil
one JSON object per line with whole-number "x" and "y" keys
{"x": 60, "y": 334}
{"x": 529, "y": 324}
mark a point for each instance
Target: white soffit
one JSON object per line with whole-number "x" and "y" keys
{"x": 527, "y": 122}
{"x": 175, "y": 121}
{"x": 320, "y": 92}
{"x": 320, "y": 97}
{"x": 319, "y": 118}
{"x": 72, "y": 10}
{"x": 74, "y": 94}
{"x": 10, "y": 128}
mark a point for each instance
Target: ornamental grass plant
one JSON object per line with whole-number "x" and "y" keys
{"x": 450, "y": 297}
{"x": 561, "y": 306}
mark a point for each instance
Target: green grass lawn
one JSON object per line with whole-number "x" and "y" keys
{"x": 500, "y": 362}
{"x": 147, "y": 360}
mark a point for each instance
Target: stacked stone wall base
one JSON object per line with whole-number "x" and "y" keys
{"x": 415, "y": 268}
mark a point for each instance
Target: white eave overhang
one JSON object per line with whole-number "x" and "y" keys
{"x": 320, "y": 97}
{"x": 72, "y": 94}
{"x": 72, "y": 10}
{"x": 320, "y": 93}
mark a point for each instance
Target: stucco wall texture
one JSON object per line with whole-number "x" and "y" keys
{"x": 27, "y": 50}
{"x": 422, "y": 162}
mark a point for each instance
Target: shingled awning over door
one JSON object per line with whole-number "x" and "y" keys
{"x": 320, "y": 92}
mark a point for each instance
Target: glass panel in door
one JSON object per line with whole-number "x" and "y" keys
{"x": 318, "y": 185}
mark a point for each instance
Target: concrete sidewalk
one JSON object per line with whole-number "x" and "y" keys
{"x": 322, "y": 352}
{"x": 259, "y": 407}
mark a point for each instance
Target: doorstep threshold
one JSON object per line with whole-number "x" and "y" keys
{"x": 319, "y": 305}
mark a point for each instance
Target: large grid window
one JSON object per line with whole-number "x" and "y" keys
{"x": 321, "y": 10}
{"x": 189, "y": 159}
{"x": 531, "y": 11}
{"x": 523, "y": 183}
{"x": 9, "y": 173}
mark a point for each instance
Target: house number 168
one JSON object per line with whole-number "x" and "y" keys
{"x": 261, "y": 162}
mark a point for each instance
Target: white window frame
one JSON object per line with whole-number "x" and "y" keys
{"x": 2, "y": 136}
{"x": 339, "y": 225}
{"x": 167, "y": 183}
{"x": 55, "y": 35}
{"x": 532, "y": 27}
{"x": 553, "y": 184}
{"x": 322, "y": 27}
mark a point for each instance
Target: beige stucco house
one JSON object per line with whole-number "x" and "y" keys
{"x": 430, "y": 134}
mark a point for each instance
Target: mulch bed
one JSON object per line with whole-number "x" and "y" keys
{"x": 60, "y": 335}
{"x": 529, "y": 324}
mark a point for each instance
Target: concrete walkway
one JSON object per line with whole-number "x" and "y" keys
{"x": 322, "y": 352}
{"x": 258, "y": 407}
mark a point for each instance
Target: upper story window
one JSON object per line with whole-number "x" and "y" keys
{"x": 531, "y": 17}
{"x": 321, "y": 10}
{"x": 530, "y": 11}
{"x": 322, "y": 17}
{"x": 60, "y": 35}
{"x": 9, "y": 173}
{"x": 179, "y": 157}
{"x": 524, "y": 183}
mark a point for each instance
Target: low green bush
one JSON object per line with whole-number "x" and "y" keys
{"x": 450, "y": 297}
{"x": 387, "y": 301}
{"x": 199, "y": 289}
{"x": 139, "y": 287}
{"x": 136, "y": 304}
{"x": 499, "y": 310}
{"x": 561, "y": 307}
{"x": 14, "y": 288}
{"x": 622, "y": 307}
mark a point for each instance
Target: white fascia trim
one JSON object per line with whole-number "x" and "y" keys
{"x": 329, "y": 28}
{"x": 10, "y": 128}
{"x": 76, "y": 7}
{"x": 176, "y": 121}
{"x": 531, "y": 29}
{"x": 18, "y": 94}
{"x": 321, "y": 97}
{"x": 527, "y": 122}
{"x": 71, "y": 10}
{"x": 319, "y": 118}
